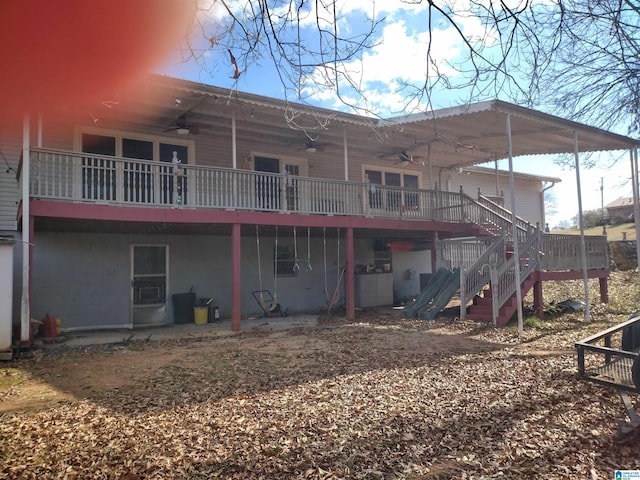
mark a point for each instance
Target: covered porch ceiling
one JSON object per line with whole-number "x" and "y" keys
{"x": 446, "y": 138}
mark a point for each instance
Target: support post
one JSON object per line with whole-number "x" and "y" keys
{"x": 583, "y": 248}
{"x": 604, "y": 290}
{"x": 236, "y": 309}
{"x": 346, "y": 155}
{"x": 349, "y": 276}
{"x": 538, "y": 301}
{"x": 636, "y": 199}
{"x": 514, "y": 231}
{"x": 25, "y": 303}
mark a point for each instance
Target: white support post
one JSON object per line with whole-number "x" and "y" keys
{"x": 514, "y": 231}
{"x": 346, "y": 155}
{"x": 25, "y": 310}
{"x": 636, "y": 199}
{"x": 583, "y": 248}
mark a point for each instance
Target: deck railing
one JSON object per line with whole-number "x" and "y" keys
{"x": 83, "y": 177}
{"x": 482, "y": 272}
{"x": 563, "y": 252}
{"x": 460, "y": 252}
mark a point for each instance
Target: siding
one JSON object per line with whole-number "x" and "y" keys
{"x": 10, "y": 150}
{"x": 529, "y": 203}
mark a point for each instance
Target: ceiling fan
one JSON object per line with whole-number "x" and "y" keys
{"x": 405, "y": 159}
{"x": 183, "y": 126}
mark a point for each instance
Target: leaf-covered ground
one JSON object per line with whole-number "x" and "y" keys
{"x": 378, "y": 398}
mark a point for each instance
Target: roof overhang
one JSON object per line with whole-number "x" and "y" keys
{"x": 447, "y": 138}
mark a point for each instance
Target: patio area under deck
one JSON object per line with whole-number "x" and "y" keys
{"x": 67, "y": 187}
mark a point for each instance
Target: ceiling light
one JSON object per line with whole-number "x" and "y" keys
{"x": 182, "y": 131}
{"x": 311, "y": 149}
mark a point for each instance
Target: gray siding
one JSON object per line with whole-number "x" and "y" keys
{"x": 84, "y": 279}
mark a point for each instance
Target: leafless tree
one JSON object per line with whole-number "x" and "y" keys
{"x": 578, "y": 58}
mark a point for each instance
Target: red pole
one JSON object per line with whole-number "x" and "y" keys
{"x": 538, "y": 302}
{"x": 604, "y": 290}
{"x": 349, "y": 290}
{"x": 236, "y": 309}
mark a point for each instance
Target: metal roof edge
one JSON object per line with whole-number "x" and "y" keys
{"x": 566, "y": 124}
{"x": 262, "y": 101}
{"x": 492, "y": 171}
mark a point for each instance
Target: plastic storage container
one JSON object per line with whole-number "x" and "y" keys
{"x": 200, "y": 315}
{"x": 183, "y": 304}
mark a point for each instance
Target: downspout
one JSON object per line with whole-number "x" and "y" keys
{"x": 544, "y": 215}
{"x": 583, "y": 248}
{"x": 25, "y": 311}
{"x": 514, "y": 230}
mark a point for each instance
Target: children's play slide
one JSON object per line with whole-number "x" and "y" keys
{"x": 435, "y": 295}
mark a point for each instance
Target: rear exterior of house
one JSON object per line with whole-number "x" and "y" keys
{"x": 184, "y": 191}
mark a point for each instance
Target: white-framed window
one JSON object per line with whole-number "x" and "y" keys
{"x": 137, "y": 182}
{"x": 398, "y": 188}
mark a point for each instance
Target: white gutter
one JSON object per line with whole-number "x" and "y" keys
{"x": 583, "y": 248}
{"x": 544, "y": 214}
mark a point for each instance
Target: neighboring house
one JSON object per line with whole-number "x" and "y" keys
{"x": 620, "y": 210}
{"x": 181, "y": 187}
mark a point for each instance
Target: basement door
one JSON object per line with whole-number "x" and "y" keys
{"x": 149, "y": 284}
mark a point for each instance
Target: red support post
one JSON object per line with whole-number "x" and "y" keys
{"x": 349, "y": 276}
{"x": 236, "y": 309}
{"x": 538, "y": 302}
{"x": 604, "y": 289}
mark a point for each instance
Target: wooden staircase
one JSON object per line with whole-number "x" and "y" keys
{"x": 482, "y": 307}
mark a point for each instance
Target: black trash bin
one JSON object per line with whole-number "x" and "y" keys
{"x": 183, "y": 304}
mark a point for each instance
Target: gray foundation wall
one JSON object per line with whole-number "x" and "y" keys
{"x": 85, "y": 279}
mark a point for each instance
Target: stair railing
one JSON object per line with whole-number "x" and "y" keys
{"x": 481, "y": 272}
{"x": 521, "y": 223}
{"x": 528, "y": 261}
{"x": 492, "y": 219}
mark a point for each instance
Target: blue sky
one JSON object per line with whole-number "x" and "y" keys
{"x": 399, "y": 57}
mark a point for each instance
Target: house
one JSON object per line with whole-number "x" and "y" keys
{"x": 620, "y": 210}
{"x": 126, "y": 212}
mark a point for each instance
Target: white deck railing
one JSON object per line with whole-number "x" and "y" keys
{"x": 82, "y": 177}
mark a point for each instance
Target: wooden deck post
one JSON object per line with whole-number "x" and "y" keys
{"x": 236, "y": 309}
{"x": 604, "y": 289}
{"x": 538, "y": 302}
{"x": 349, "y": 276}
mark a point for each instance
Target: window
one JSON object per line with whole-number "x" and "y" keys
{"x": 98, "y": 174}
{"x": 139, "y": 182}
{"x": 284, "y": 259}
{"x": 397, "y": 190}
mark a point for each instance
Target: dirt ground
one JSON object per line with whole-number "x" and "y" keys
{"x": 380, "y": 397}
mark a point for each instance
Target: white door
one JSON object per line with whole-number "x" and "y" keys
{"x": 149, "y": 284}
